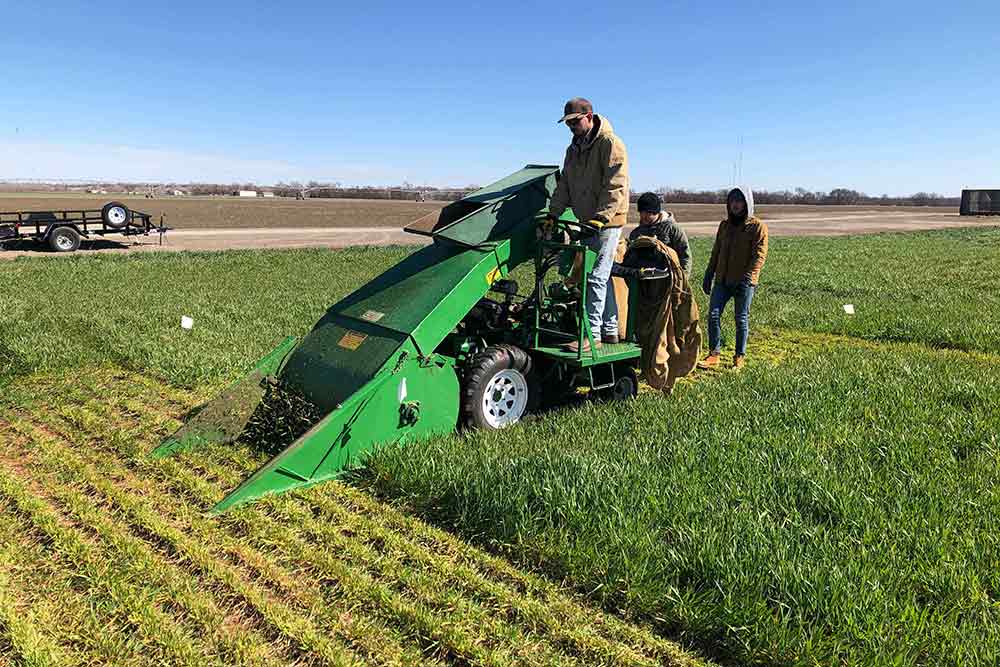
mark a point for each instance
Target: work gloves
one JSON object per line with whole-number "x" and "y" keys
{"x": 706, "y": 283}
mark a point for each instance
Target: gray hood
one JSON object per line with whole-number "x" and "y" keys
{"x": 748, "y": 195}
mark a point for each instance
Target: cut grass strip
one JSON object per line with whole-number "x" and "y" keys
{"x": 433, "y": 585}
{"x": 139, "y": 604}
{"x": 376, "y": 642}
{"x": 291, "y": 621}
{"x": 573, "y": 643}
{"x": 22, "y": 629}
{"x": 226, "y": 633}
{"x": 82, "y": 418}
{"x": 362, "y": 588}
{"x": 53, "y": 592}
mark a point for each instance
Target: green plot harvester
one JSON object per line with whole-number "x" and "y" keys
{"x": 423, "y": 348}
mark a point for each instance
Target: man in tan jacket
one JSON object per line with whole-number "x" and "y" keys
{"x": 737, "y": 257}
{"x": 594, "y": 183}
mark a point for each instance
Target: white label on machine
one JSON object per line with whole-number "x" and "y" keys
{"x": 187, "y": 322}
{"x": 372, "y": 316}
{"x": 849, "y": 308}
{"x": 401, "y": 391}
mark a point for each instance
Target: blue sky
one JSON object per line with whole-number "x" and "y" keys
{"x": 891, "y": 97}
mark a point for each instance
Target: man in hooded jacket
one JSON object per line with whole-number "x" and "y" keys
{"x": 737, "y": 257}
{"x": 594, "y": 183}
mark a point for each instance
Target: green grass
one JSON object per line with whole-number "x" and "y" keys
{"x": 840, "y": 507}
{"x": 832, "y": 503}
{"x": 935, "y": 288}
{"x": 109, "y": 557}
{"x": 127, "y": 310}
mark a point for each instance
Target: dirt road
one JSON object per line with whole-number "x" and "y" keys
{"x": 787, "y": 222}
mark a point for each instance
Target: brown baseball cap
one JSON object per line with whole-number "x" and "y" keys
{"x": 575, "y": 108}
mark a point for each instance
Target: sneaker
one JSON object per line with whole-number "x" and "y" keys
{"x": 711, "y": 361}
{"x": 573, "y": 346}
{"x": 738, "y": 362}
{"x": 610, "y": 339}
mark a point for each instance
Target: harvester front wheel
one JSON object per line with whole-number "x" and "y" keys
{"x": 495, "y": 391}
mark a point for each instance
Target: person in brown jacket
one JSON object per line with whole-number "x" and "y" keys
{"x": 594, "y": 183}
{"x": 737, "y": 257}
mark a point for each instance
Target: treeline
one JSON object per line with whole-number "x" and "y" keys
{"x": 409, "y": 192}
{"x": 838, "y": 196}
{"x": 406, "y": 191}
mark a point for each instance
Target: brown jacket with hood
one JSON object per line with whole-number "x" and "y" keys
{"x": 594, "y": 181}
{"x": 740, "y": 248}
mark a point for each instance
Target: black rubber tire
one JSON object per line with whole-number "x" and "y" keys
{"x": 626, "y": 385}
{"x": 488, "y": 364}
{"x": 64, "y": 239}
{"x": 521, "y": 359}
{"x": 115, "y": 215}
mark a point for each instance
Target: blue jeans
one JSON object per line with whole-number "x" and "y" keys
{"x": 602, "y": 308}
{"x": 741, "y": 295}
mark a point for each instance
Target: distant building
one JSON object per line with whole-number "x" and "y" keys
{"x": 245, "y": 193}
{"x": 178, "y": 193}
{"x": 267, "y": 194}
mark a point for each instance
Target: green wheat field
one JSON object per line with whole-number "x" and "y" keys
{"x": 836, "y": 502}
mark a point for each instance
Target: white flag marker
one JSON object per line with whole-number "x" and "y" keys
{"x": 849, "y": 308}
{"x": 187, "y": 322}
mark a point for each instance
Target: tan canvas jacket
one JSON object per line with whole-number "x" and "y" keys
{"x": 594, "y": 181}
{"x": 667, "y": 321}
{"x": 739, "y": 252}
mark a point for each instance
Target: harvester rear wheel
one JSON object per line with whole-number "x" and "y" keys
{"x": 495, "y": 391}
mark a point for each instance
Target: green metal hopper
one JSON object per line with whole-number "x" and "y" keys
{"x": 391, "y": 361}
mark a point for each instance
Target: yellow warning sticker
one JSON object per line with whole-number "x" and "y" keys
{"x": 372, "y": 315}
{"x": 493, "y": 276}
{"x": 352, "y": 340}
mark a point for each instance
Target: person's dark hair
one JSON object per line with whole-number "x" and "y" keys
{"x": 649, "y": 202}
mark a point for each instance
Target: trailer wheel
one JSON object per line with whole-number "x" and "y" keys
{"x": 115, "y": 215}
{"x": 64, "y": 239}
{"x": 495, "y": 391}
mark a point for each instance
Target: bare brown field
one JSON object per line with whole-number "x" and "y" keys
{"x": 235, "y": 213}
